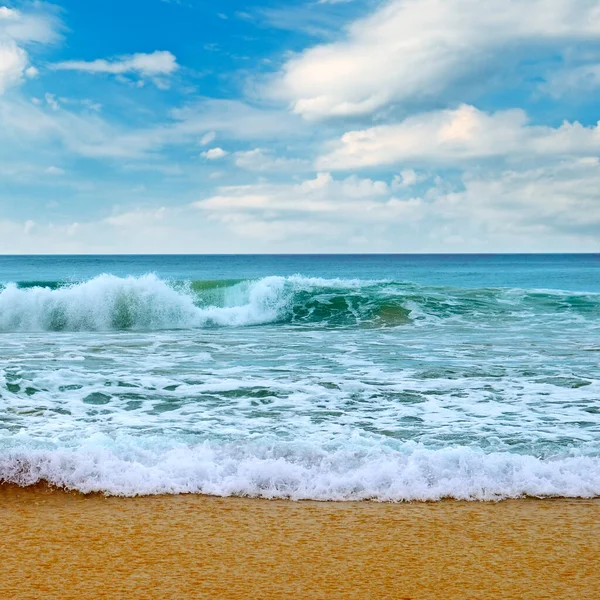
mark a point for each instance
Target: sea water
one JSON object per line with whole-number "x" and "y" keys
{"x": 323, "y": 377}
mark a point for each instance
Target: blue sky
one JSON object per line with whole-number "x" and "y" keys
{"x": 299, "y": 126}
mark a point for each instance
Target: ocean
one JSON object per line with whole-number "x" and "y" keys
{"x": 369, "y": 377}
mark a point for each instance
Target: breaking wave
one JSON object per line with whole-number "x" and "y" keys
{"x": 108, "y": 302}
{"x": 132, "y": 467}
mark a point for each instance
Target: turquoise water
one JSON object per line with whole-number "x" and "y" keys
{"x": 324, "y": 377}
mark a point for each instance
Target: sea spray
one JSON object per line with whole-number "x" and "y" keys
{"x": 109, "y": 303}
{"x": 129, "y": 467}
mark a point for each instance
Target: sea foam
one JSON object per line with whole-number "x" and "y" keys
{"x": 356, "y": 389}
{"x": 113, "y": 303}
{"x": 109, "y": 303}
{"x": 129, "y": 467}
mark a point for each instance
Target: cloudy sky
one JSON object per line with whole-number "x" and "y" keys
{"x": 299, "y": 126}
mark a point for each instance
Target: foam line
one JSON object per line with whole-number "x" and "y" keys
{"x": 129, "y": 467}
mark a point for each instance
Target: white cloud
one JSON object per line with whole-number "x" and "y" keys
{"x": 542, "y": 209}
{"x": 455, "y": 136}
{"x": 51, "y": 101}
{"x": 8, "y": 14}
{"x": 523, "y": 186}
{"x": 39, "y": 24}
{"x": 549, "y": 208}
{"x": 145, "y": 65}
{"x": 577, "y": 80}
{"x": 207, "y": 138}
{"x": 411, "y": 49}
{"x": 407, "y": 178}
{"x": 557, "y": 200}
{"x": 324, "y": 212}
{"x": 261, "y": 161}
{"x": 214, "y": 154}
{"x": 323, "y": 194}
{"x": 28, "y": 228}
{"x": 17, "y": 30}
{"x": 23, "y": 123}
{"x": 55, "y": 171}
{"x": 13, "y": 62}
{"x": 137, "y": 217}
{"x": 235, "y": 120}
{"x": 319, "y": 22}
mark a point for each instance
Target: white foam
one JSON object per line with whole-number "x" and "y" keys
{"x": 144, "y": 302}
{"x": 108, "y": 302}
{"x": 128, "y": 466}
{"x": 148, "y": 303}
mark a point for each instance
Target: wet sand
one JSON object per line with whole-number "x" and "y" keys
{"x": 65, "y": 545}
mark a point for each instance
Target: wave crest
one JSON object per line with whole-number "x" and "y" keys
{"x": 108, "y": 302}
{"x": 103, "y": 303}
{"x": 126, "y": 467}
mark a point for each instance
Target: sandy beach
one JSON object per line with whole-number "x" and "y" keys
{"x": 67, "y": 545}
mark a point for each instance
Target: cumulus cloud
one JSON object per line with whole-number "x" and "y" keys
{"x": 455, "y": 136}
{"x": 407, "y": 178}
{"x": 547, "y": 208}
{"x": 323, "y": 194}
{"x": 17, "y": 31}
{"x": 505, "y": 182}
{"x": 541, "y": 209}
{"x": 214, "y": 154}
{"x": 546, "y": 201}
{"x": 410, "y": 49}
{"x": 334, "y": 214}
{"x": 13, "y": 62}
{"x": 145, "y": 65}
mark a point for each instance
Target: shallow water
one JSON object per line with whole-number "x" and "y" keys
{"x": 383, "y": 377}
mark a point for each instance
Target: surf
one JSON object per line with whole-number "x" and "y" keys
{"x": 111, "y": 303}
{"x": 128, "y": 466}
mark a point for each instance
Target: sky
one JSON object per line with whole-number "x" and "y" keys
{"x": 296, "y": 126}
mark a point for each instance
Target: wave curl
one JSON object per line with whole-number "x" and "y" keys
{"x": 108, "y": 303}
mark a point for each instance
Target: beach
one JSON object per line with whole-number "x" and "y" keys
{"x": 266, "y": 427}
{"x": 300, "y": 300}
{"x": 68, "y": 545}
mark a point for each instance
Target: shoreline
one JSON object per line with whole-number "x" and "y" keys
{"x": 60, "y": 544}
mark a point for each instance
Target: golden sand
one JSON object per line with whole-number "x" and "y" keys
{"x": 65, "y": 545}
